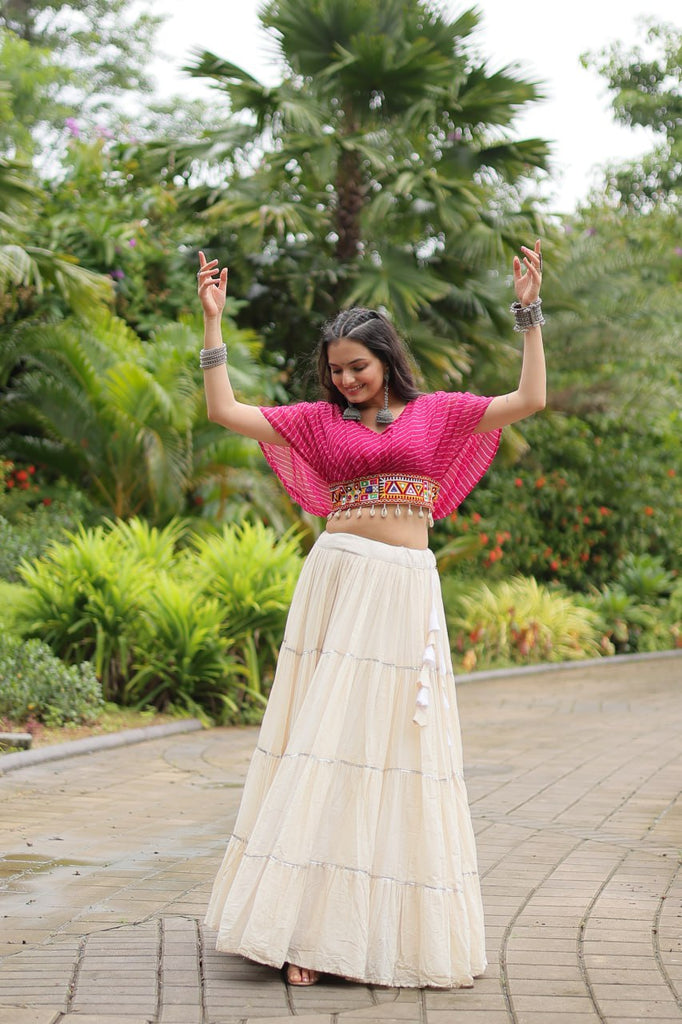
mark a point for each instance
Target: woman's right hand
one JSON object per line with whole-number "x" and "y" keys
{"x": 212, "y": 287}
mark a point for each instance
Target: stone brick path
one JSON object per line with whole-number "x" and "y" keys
{"x": 575, "y": 780}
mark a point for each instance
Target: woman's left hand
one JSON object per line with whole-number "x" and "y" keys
{"x": 527, "y": 281}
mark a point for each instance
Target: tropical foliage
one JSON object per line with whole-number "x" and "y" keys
{"x": 126, "y": 420}
{"x": 586, "y": 493}
{"x": 519, "y": 621}
{"x": 165, "y": 617}
{"x": 645, "y": 84}
{"x": 383, "y": 167}
{"x": 381, "y": 170}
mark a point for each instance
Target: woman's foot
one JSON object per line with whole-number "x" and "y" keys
{"x": 301, "y": 975}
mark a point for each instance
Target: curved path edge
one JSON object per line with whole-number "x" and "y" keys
{"x": 93, "y": 744}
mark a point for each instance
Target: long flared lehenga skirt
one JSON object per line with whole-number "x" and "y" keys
{"x": 353, "y": 851}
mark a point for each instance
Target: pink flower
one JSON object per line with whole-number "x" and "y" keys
{"x": 72, "y": 126}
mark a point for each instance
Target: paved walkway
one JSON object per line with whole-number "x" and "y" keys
{"x": 574, "y": 779}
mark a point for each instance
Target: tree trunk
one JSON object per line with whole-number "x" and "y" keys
{"x": 350, "y": 198}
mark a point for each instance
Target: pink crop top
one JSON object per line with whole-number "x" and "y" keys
{"x": 433, "y": 437}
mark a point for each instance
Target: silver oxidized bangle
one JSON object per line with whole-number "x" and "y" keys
{"x": 526, "y": 317}
{"x": 210, "y": 357}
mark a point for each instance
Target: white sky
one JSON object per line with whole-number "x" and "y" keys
{"x": 546, "y": 39}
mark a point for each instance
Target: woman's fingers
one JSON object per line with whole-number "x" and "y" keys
{"x": 208, "y": 269}
{"x": 533, "y": 257}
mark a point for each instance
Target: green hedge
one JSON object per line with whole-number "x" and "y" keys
{"x": 34, "y": 684}
{"x": 167, "y": 617}
{"x": 587, "y": 493}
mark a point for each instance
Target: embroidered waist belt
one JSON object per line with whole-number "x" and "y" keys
{"x": 379, "y": 493}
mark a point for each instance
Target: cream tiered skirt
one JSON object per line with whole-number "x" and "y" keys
{"x": 353, "y": 851}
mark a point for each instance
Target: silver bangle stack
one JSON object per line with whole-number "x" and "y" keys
{"x": 210, "y": 357}
{"x": 526, "y": 317}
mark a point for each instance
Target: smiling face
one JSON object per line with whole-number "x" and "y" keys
{"x": 357, "y": 372}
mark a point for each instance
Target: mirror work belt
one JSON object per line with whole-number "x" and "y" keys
{"x": 377, "y": 494}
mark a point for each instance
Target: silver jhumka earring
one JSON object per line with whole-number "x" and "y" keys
{"x": 385, "y": 415}
{"x": 351, "y": 412}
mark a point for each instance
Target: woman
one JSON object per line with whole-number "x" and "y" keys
{"x": 353, "y": 851}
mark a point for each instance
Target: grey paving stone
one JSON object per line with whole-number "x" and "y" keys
{"x": 572, "y": 777}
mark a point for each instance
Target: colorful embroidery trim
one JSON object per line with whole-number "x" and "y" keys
{"x": 395, "y": 489}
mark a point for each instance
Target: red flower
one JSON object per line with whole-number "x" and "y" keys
{"x": 10, "y": 482}
{"x": 21, "y": 475}
{"x": 648, "y": 511}
{"x": 518, "y": 482}
{"x": 31, "y": 470}
{"x": 554, "y": 565}
{"x": 483, "y": 537}
{"x": 47, "y": 501}
{"x": 540, "y": 482}
{"x": 671, "y": 472}
{"x": 476, "y": 517}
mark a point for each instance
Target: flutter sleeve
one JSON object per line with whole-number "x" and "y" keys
{"x": 299, "y": 464}
{"x": 462, "y": 456}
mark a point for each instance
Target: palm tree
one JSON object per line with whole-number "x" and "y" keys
{"x": 125, "y": 420}
{"x": 381, "y": 170}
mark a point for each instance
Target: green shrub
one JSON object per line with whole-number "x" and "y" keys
{"x": 180, "y": 656}
{"x": 12, "y": 600}
{"x": 637, "y": 612}
{"x": 252, "y": 574}
{"x": 36, "y": 684}
{"x": 518, "y": 622}
{"x": 587, "y": 493}
{"x": 645, "y": 578}
{"x": 29, "y": 532}
{"x": 165, "y": 622}
{"x": 84, "y": 600}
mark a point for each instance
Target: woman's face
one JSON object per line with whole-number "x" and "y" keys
{"x": 356, "y": 371}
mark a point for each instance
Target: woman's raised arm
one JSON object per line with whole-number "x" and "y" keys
{"x": 531, "y": 394}
{"x": 221, "y": 405}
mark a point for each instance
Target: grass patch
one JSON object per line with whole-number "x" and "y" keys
{"x": 112, "y": 719}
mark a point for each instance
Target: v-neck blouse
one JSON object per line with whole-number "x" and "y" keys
{"x": 433, "y": 437}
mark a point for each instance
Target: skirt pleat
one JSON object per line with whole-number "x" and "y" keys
{"x": 353, "y": 851}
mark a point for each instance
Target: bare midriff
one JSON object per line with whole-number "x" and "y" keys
{"x": 407, "y": 531}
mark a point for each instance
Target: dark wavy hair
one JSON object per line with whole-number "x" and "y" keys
{"x": 377, "y": 333}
